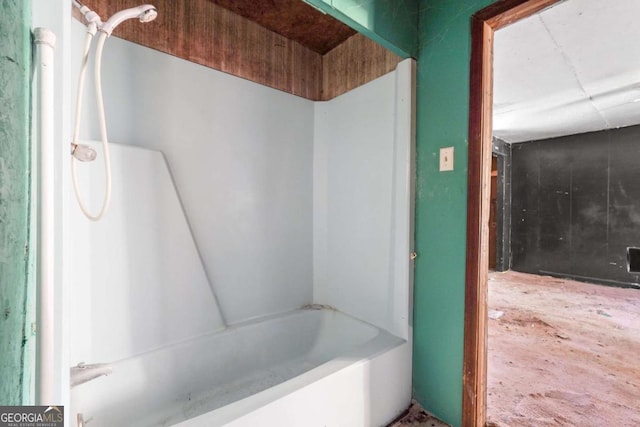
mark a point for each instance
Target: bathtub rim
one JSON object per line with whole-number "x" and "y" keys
{"x": 234, "y": 327}
{"x": 383, "y": 343}
{"x": 377, "y": 342}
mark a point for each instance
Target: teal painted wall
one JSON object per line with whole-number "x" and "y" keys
{"x": 391, "y": 23}
{"x": 16, "y": 283}
{"x": 443, "y": 52}
{"x": 441, "y": 198}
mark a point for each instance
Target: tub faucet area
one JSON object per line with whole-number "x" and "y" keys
{"x": 82, "y": 373}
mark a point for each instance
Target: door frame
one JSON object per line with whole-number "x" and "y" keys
{"x": 483, "y": 25}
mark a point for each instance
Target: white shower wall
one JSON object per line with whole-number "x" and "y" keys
{"x": 138, "y": 280}
{"x": 240, "y": 155}
{"x": 362, "y": 201}
{"x": 290, "y": 202}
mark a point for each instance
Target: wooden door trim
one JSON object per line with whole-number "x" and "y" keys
{"x": 483, "y": 25}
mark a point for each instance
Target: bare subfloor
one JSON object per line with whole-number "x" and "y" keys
{"x": 562, "y": 353}
{"x": 418, "y": 417}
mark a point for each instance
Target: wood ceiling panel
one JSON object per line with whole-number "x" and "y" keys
{"x": 200, "y": 31}
{"x": 206, "y": 33}
{"x": 293, "y": 19}
{"x": 355, "y": 62}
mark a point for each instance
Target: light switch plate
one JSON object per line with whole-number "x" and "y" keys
{"x": 446, "y": 159}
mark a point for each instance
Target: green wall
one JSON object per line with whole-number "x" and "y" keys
{"x": 444, "y": 49}
{"x": 442, "y": 45}
{"x": 443, "y": 52}
{"x": 391, "y": 23}
{"x": 16, "y": 284}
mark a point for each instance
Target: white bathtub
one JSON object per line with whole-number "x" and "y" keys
{"x": 305, "y": 368}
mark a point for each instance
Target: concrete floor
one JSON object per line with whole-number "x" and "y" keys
{"x": 418, "y": 417}
{"x": 562, "y": 353}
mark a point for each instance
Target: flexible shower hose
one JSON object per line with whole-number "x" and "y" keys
{"x": 101, "y": 116}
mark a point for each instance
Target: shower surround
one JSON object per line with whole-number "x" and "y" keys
{"x": 255, "y": 261}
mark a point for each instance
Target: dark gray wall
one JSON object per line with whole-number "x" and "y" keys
{"x": 502, "y": 151}
{"x": 575, "y": 205}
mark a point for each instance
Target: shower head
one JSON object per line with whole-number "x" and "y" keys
{"x": 145, "y": 13}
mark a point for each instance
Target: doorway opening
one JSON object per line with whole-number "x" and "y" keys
{"x": 490, "y": 227}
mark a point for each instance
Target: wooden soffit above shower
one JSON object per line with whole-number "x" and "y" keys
{"x": 293, "y": 19}
{"x": 284, "y": 44}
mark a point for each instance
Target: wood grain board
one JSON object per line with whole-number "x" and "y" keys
{"x": 295, "y": 20}
{"x": 353, "y": 63}
{"x": 208, "y": 34}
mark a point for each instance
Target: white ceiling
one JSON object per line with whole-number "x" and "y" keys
{"x": 570, "y": 69}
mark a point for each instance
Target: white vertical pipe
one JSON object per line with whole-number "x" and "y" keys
{"x": 45, "y": 359}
